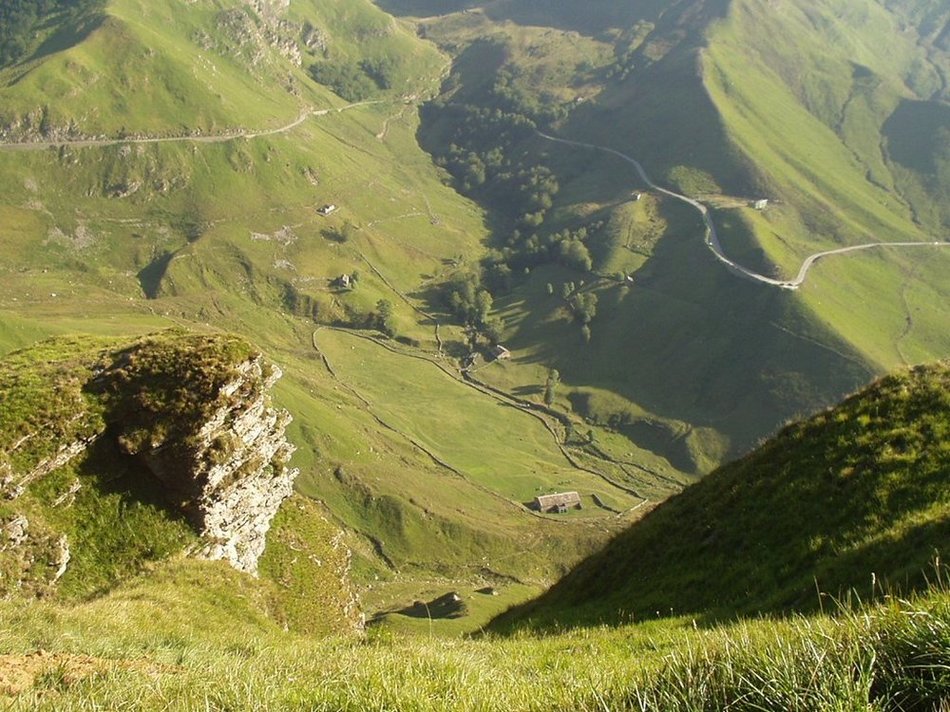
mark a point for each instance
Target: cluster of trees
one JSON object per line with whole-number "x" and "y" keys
{"x": 382, "y": 318}
{"x": 487, "y": 164}
{"x": 571, "y": 246}
{"x": 487, "y": 147}
{"x": 346, "y": 79}
{"x": 523, "y": 251}
{"x": 483, "y": 148}
{"x": 623, "y": 66}
{"x": 355, "y": 81}
{"x": 509, "y": 93}
{"x": 382, "y": 70}
{"x": 468, "y": 300}
{"x": 583, "y": 306}
{"x": 19, "y": 20}
{"x": 482, "y": 155}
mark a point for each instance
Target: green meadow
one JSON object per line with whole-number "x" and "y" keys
{"x": 162, "y": 169}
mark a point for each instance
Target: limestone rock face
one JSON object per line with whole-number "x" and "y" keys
{"x": 94, "y": 437}
{"x": 233, "y": 476}
{"x": 253, "y": 31}
{"x": 32, "y": 557}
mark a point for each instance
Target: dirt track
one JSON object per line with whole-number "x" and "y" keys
{"x": 210, "y": 138}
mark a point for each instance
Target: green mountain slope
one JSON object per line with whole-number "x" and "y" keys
{"x": 150, "y": 69}
{"x": 730, "y": 102}
{"x": 853, "y": 498}
{"x": 197, "y": 633}
{"x": 163, "y": 167}
{"x": 806, "y": 93}
{"x": 181, "y": 188}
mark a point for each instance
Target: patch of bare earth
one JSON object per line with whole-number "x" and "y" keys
{"x": 21, "y": 672}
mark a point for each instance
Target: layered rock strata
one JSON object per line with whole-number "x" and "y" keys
{"x": 234, "y": 477}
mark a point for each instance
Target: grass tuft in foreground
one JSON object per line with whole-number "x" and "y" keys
{"x": 193, "y": 637}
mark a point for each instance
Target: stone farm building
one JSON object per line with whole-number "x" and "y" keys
{"x": 557, "y": 503}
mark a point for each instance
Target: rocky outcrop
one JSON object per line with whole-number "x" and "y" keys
{"x": 251, "y": 32}
{"x": 32, "y": 558}
{"x": 12, "y": 487}
{"x": 194, "y": 410}
{"x": 235, "y": 475}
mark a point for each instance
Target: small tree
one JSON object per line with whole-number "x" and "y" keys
{"x": 483, "y": 305}
{"x": 584, "y": 306}
{"x": 550, "y": 386}
{"x": 492, "y": 329}
{"x": 383, "y": 317}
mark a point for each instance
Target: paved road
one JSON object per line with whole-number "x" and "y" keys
{"x": 211, "y": 138}
{"x": 712, "y": 238}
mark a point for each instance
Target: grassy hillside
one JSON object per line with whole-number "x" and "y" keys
{"x": 166, "y": 167}
{"x": 194, "y": 638}
{"x": 187, "y": 633}
{"x": 124, "y": 238}
{"x": 180, "y": 187}
{"x": 729, "y": 102}
{"x": 853, "y": 498}
{"x": 141, "y": 68}
{"x": 832, "y": 144}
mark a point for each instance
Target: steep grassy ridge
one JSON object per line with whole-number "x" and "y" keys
{"x": 854, "y": 498}
{"x": 150, "y": 69}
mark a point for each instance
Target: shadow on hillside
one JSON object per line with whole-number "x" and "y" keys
{"x": 848, "y": 506}
{"x": 150, "y": 277}
{"x": 112, "y": 472}
{"x": 424, "y": 8}
{"x": 687, "y": 341}
{"x": 71, "y": 32}
{"x": 913, "y": 134}
{"x": 445, "y": 607}
{"x": 881, "y": 568}
{"x": 123, "y": 519}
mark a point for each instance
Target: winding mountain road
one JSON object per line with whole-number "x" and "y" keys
{"x": 712, "y": 238}
{"x": 189, "y": 138}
